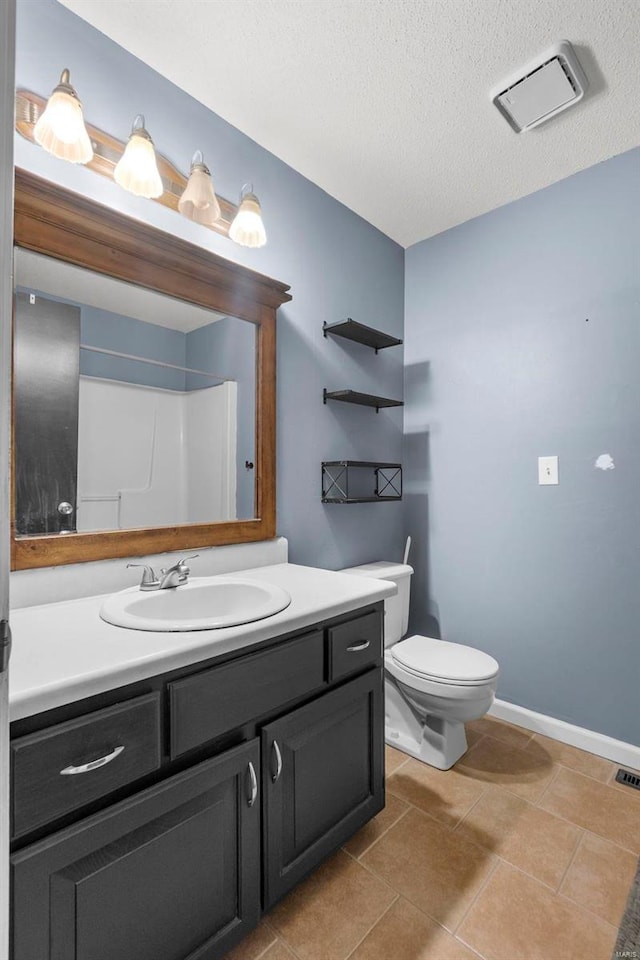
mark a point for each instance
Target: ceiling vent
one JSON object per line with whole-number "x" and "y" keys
{"x": 547, "y": 85}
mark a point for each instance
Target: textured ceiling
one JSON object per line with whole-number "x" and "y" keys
{"x": 385, "y": 103}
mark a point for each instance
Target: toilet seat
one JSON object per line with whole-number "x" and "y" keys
{"x": 440, "y": 661}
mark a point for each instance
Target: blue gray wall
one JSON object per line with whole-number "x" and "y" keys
{"x": 337, "y": 264}
{"x": 523, "y": 339}
{"x": 110, "y": 331}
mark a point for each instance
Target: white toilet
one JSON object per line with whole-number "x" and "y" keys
{"x": 431, "y": 686}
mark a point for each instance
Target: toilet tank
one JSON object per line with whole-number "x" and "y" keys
{"x": 396, "y": 609}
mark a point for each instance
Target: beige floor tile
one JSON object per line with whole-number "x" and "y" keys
{"x": 595, "y": 806}
{"x": 517, "y": 918}
{"x": 499, "y": 730}
{"x": 445, "y": 795}
{"x": 526, "y": 773}
{"x": 404, "y": 933}
{"x": 600, "y": 878}
{"x": 529, "y": 838}
{"x": 278, "y": 951}
{"x": 372, "y": 831}
{"x": 393, "y": 758}
{"x": 253, "y": 945}
{"x": 328, "y": 914}
{"x": 581, "y": 761}
{"x": 432, "y": 867}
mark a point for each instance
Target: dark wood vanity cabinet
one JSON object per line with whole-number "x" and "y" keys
{"x": 322, "y": 779}
{"x": 172, "y": 873}
{"x": 182, "y": 865}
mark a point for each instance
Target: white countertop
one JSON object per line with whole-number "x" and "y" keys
{"x": 64, "y": 652}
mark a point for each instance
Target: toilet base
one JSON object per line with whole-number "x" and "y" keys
{"x": 434, "y": 740}
{"x": 441, "y": 745}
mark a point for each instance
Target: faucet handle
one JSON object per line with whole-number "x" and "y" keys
{"x": 149, "y": 580}
{"x": 181, "y": 565}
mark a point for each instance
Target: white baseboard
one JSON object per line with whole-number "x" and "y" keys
{"x": 617, "y": 750}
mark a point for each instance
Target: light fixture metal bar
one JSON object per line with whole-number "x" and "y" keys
{"x": 107, "y": 150}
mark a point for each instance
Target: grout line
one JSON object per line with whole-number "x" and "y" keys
{"x": 374, "y": 924}
{"x": 262, "y": 952}
{"x": 441, "y": 823}
{"x": 438, "y": 923}
{"x": 578, "y": 906}
{"x": 469, "y": 947}
{"x": 537, "y": 802}
{"x": 402, "y": 763}
{"x": 278, "y": 936}
{"x": 525, "y": 873}
{"x": 373, "y": 842}
{"x": 475, "y": 803}
{"x": 599, "y": 836}
{"x": 372, "y": 873}
{"x": 481, "y": 888}
{"x": 573, "y": 857}
{"x": 287, "y": 945}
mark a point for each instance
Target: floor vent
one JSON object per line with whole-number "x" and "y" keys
{"x": 628, "y": 779}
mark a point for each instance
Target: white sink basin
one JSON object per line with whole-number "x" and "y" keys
{"x": 205, "y": 603}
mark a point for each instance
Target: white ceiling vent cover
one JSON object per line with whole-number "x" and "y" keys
{"x": 547, "y": 85}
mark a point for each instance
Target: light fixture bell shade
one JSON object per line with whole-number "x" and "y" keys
{"x": 137, "y": 169}
{"x": 60, "y": 130}
{"x": 199, "y": 201}
{"x": 247, "y": 228}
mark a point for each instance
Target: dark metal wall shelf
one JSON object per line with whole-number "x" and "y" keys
{"x": 363, "y": 399}
{"x": 352, "y": 330}
{"x": 361, "y": 481}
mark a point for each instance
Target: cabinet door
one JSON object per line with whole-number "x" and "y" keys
{"x": 170, "y": 874}
{"x": 322, "y": 779}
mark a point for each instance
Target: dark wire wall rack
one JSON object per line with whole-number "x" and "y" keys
{"x": 352, "y": 330}
{"x": 363, "y": 399}
{"x": 361, "y": 481}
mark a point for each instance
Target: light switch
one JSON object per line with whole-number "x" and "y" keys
{"x": 547, "y": 470}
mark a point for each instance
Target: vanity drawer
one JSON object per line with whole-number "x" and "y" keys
{"x": 218, "y": 700}
{"x": 57, "y": 770}
{"x": 354, "y": 645}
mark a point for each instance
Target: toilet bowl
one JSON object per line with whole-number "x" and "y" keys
{"x": 432, "y": 687}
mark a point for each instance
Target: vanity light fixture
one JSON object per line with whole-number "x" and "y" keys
{"x": 136, "y": 166}
{"x": 199, "y": 201}
{"x": 60, "y": 129}
{"x": 247, "y": 228}
{"x": 137, "y": 170}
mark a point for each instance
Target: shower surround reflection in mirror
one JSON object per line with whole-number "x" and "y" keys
{"x": 131, "y": 409}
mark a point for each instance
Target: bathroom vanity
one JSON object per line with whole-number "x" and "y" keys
{"x": 157, "y": 819}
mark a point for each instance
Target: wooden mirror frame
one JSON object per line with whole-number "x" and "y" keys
{"x": 64, "y": 225}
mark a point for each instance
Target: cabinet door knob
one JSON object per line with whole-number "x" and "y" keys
{"x": 254, "y": 785}
{"x": 93, "y": 764}
{"x": 359, "y": 646}
{"x": 276, "y": 750}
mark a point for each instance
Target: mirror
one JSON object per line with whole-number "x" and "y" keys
{"x": 144, "y": 387}
{"x": 131, "y": 409}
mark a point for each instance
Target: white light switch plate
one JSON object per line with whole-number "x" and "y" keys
{"x": 547, "y": 470}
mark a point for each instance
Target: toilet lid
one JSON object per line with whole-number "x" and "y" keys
{"x": 441, "y": 660}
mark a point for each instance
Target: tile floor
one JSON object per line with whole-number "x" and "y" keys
{"x": 525, "y": 851}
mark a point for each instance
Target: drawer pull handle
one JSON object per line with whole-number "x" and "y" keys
{"x": 359, "y": 646}
{"x": 254, "y": 785}
{"x": 93, "y": 764}
{"x": 276, "y": 750}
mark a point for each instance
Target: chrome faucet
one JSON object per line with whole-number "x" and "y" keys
{"x": 170, "y": 577}
{"x": 176, "y": 575}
